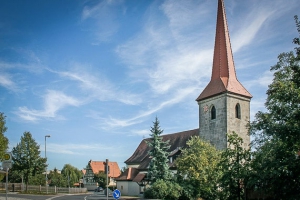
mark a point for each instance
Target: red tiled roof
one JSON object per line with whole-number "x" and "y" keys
{"x": 223, "y": 77}
{"x": 114, "y": 170}
{"x": 176, "y": 140}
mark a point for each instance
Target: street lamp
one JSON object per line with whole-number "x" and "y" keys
{"x": 46, "y": 163}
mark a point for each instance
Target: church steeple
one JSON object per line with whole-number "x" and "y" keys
{"x": 223, "y": 78}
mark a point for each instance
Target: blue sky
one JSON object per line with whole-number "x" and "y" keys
{"x": 95, "y": 74}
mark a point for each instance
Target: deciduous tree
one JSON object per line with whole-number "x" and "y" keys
{"x": 27, "y": 161}
{"x": 197, "y": 169}
{"x": 3, "y": 139}
{"x": 277, "y": 130}
{"x": 71, "y": 174}
{"x": 100, "y": 178}
{"x": 57, "y": 179}
{"x": 234, "y": 167}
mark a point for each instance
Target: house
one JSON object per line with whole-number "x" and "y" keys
{"x": 131, "y": 181}
{"x": 224, "y": 107}
{"x": 94, "y": 167}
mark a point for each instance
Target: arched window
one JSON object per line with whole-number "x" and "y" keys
{"x": 237, "y": 111}
{"x": 213, "y": 112}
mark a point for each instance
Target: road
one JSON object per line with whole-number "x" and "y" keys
{"x": 87, "y": 196}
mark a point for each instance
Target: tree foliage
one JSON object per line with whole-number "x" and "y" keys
{"x": 283, "y": 101}
{"x": 162, "y": 189}
{"x": 235, "y": 168}
{"x": 100, "y": 178}
{"x": 26, "y": 158}
{"x": 3, "y": 139}
{"x": 275, "y": 170}
{"x": 71, "y": 174}
{"x": 277, "y": 130}
{"x": 158, "y": 167}
{"x": 57, "y": 179}
{"x": 197, "y": 169}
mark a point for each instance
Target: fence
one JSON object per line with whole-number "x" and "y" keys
{"x": 19, "y": 187}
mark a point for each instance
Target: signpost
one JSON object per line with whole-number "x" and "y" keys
{"x": 7, "y": 164}
{"x": 116, "y": 194}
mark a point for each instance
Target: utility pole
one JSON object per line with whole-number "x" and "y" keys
{"x": 46, "y": 163}
{"x": 6, "y": 183}
{"x": 107, "y": 171}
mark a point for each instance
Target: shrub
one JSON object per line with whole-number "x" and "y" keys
{"x": 166, "y": 190}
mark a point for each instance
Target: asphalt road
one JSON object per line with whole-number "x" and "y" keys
{"x": 87, "y": 196}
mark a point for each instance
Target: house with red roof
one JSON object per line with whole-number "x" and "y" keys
{"x": 94, "y": 167}
{"x": 224, "y": 107}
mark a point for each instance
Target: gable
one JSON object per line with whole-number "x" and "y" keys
{"x": 176, "y": 140}
{"x": 96, "y": 166}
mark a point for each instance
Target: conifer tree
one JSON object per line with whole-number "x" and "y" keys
{"x": 158, "y": 167}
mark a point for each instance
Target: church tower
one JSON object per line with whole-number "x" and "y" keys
{"x": 224, "y": 105}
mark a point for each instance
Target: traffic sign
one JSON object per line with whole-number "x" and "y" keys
{"x": 7, "y": 162}
{"x": 116, "y": 194}
{"x": 7, "y": 156}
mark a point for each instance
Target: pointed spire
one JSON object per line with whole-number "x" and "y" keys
{"x": 223, "y": 77}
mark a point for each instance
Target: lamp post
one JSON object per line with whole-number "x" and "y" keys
{"x": 46, "y": 163}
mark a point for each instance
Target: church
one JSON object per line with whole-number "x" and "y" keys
{"x": 224, "y": 107}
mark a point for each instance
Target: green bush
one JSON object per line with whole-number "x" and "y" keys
{"x": 165, "y": 190}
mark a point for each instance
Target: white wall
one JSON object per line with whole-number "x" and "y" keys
{"x": 128, "y": 188}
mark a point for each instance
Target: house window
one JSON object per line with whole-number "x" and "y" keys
{"x": 213, "y": 112}
{"x": 238, "y": 111}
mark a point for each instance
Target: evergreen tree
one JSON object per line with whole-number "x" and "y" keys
{"x": 27, "y": 161}
{"x": 158, "y": 167}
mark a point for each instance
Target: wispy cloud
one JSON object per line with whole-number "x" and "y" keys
{"x": 262, "y": 80}
{"x": 246, "y": 33}
{"x": 178, "y": 96}
{"x": 97, "y": 86}
{"x": 165, "y": 52}
{"x": 53, "y": 102}
{"x": 7, "y": 82}
{"x": 75, "y": 149}
{"x": 104, "y": 16}
{"x": 261, "y": 14}
{"x": 167, "y": 56}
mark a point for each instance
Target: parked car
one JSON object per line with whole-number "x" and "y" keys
{"x": 99, "y": 189}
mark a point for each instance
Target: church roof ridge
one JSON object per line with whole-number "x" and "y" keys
{"x": 223, "y": 78}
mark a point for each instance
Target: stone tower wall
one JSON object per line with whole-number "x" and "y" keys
{"x": 214, "y": 130}
{"x": 235, "y": 124}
